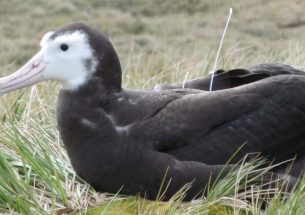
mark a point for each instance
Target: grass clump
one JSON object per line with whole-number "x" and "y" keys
{"x": 36, "y": 176}
{"x": 157, "y": 41}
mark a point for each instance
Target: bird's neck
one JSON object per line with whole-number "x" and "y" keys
{"x": 108, "y": 70}
{"x": 82, "y": 120}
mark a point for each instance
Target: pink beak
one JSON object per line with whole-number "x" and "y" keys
{"x": 29, "y": 74}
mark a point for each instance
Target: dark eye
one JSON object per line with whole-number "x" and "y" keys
{"x": 64, "y": 47}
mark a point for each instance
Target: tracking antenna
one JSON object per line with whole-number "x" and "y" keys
{"x": 219, "y": 49}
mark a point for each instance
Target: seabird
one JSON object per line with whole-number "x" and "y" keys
{"x": 133, "y": 141}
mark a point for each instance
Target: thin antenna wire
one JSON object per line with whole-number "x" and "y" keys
{"x": 219, "y": 49}
{"x": 184, "y": 80}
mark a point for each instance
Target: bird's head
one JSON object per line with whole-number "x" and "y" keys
{"x": 71, "y": 55}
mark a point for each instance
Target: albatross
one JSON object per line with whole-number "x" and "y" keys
{"x": 133, "y": 141}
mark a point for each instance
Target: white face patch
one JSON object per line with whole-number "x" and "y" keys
{"x": 45, "y": 38}
{"x": 67, "y": 58}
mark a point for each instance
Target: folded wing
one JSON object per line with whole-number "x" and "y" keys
{"x": 267, "y": 116}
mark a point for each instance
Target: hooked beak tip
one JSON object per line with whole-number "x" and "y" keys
{"x": 29, "y": 74}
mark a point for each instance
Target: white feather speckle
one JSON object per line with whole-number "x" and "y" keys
{"x": 120, "y": 99}
{"x": 158, "y": 88}
{"x": 88, "y": 123}
{"x": 122, "y": 129}
{"x": 132, "y": 101}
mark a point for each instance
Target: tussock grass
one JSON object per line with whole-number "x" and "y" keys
{"x": 157, "y": 41}
{"x": 36, "y": 175}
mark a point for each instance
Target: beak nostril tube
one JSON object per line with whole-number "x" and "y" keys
{"x": 29, "y": 74}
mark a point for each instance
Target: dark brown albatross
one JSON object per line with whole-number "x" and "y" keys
{"x": 118, "y": 138}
